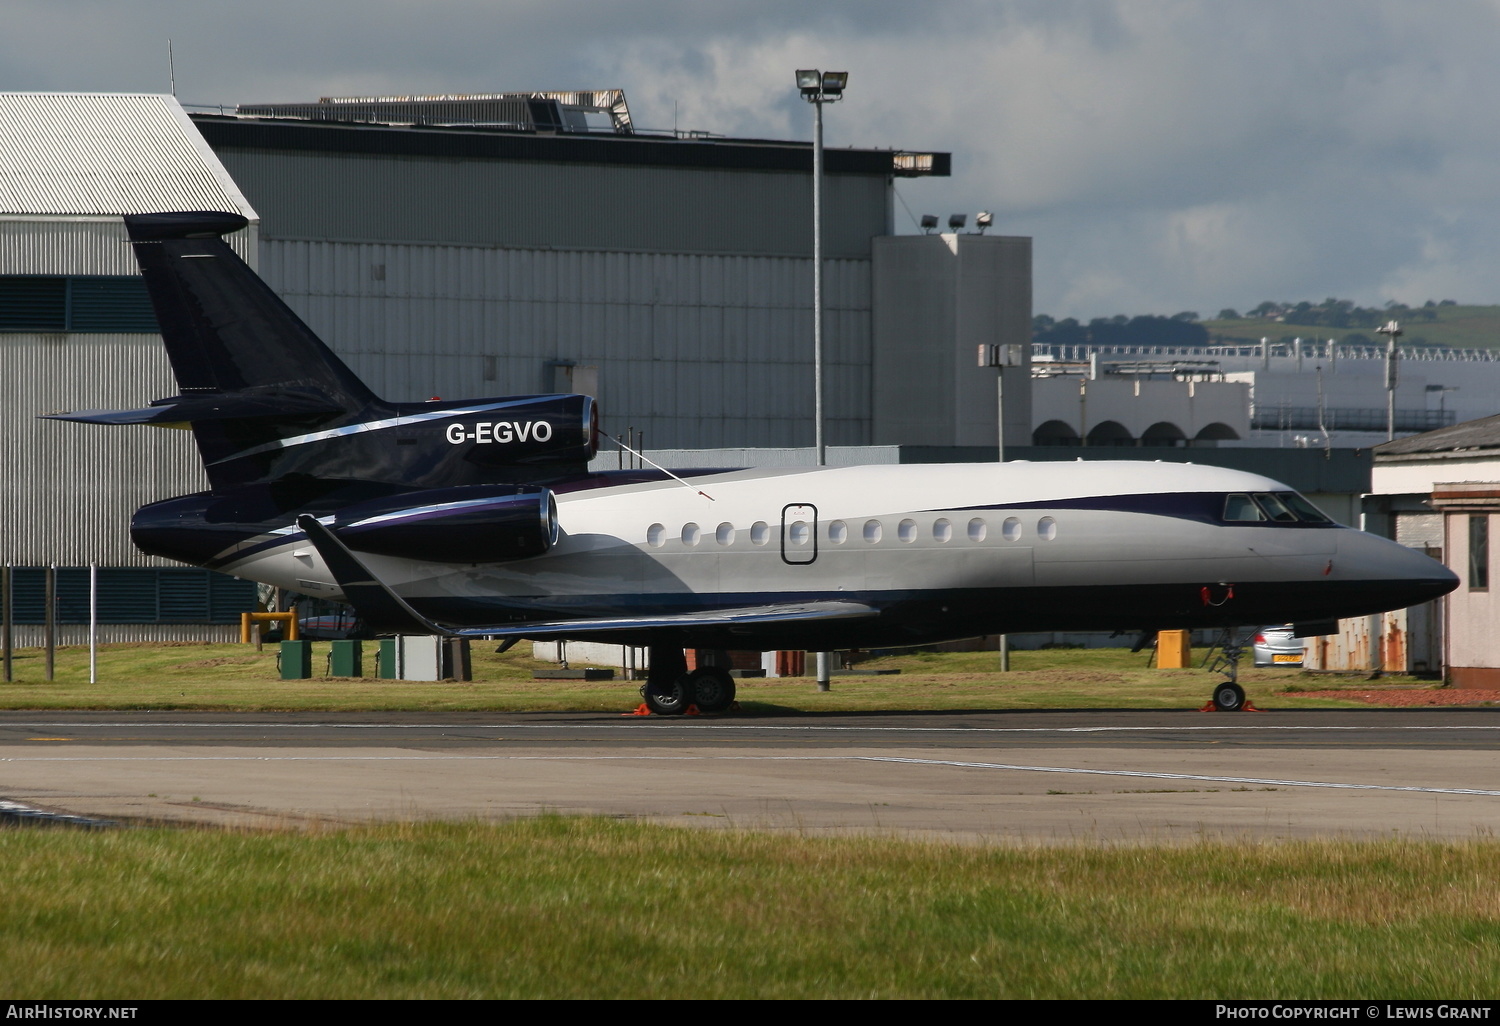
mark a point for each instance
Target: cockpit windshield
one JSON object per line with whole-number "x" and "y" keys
{"x": 1276, "y": 507}
{"x": 1241, "y": 508}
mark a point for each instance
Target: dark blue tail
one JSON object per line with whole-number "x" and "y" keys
{"x": 269, "y": 403}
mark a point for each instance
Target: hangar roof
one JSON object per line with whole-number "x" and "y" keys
{"x": 477, "y": 141}
{"x": 106, "y": 154}
{"x": 1461, "y": 440}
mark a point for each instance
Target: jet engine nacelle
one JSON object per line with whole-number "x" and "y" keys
{"x": 476, "y": 524}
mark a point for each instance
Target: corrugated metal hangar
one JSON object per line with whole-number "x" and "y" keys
{"x": 471, "y": 246}
{"x": 77, "y": 332}
{"x": 669, "y": 277}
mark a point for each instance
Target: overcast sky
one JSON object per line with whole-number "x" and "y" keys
{"x": 1165, "y": 155}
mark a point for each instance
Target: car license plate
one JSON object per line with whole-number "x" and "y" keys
{"x": 1288, "y": 658}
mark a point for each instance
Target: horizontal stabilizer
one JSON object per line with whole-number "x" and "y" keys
{"x": 196, "y": 409}
{"x": 387, "y": 613}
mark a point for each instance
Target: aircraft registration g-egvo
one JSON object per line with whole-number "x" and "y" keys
{"x": 480, "y": 518}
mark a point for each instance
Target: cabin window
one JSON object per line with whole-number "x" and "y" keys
{"x": 1479, "y": 552}
{"x": 760, "y": 533}
{"x": 942, "y": 530}
{"x": 977, "y": 530}
{"x": 1011, "y": 529}
{"x": 1046, "y": 529}
{"x": 838, "y": 532}
{"x": 907, "y": 530}
{"x": 725, "y": 534}
{"x": 656, "y": 535}
{"x": 799, "y": 532}
{"x": 873, "y": 531}
{"x": 690, "y": 534}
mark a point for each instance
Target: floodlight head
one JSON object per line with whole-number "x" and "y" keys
{"x": 809, "y": 81}
{"x": 983, "y": 220}
{"x": 929, "y": 222}
{"x": 957, "y": 221}
{"x": 834, "y": 82}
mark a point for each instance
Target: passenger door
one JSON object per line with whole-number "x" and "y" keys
{"x": 799, "y": 533}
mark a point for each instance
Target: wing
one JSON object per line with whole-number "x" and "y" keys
{"x": 192, "y": 409}
{"x": 388, "y": 613}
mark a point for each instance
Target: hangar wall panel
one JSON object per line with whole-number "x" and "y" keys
{"x": 28, "y": 636}
{"x": 534, "y": 204}
{"x": 68, "y": 490}
{"x": 938, "y": 298}
{"x": 83, "y": 245}
{"x": 695, "y": 350}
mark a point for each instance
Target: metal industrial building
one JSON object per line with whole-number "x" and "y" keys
{"x": 470, "y": 246}
{"x": 77, "y": 332}
{"x": 504, "y": 252}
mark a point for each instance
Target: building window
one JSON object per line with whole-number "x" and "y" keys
{"x": 133, "y": 595}
{"x": 100, "y": 304}
{"x": 1479, "y": 552}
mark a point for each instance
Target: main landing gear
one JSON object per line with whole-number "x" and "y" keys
{"x": 1228, "y": 695}
{"x": 671, "y": 688}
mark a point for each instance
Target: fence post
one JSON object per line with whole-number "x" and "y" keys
{"x": 50, "y": 619}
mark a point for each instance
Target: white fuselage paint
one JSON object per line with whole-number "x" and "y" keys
{"x": 881, "y": 529}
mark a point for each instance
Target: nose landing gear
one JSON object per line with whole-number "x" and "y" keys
{"x": 1228, "y": 696}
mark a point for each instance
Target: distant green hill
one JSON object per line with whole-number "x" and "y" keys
{"x": 1459, "y": 327}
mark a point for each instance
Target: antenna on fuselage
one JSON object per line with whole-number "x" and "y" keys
{"x": 664, "y": 470}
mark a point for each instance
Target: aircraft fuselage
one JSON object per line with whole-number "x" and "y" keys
{"x": 942, "y": 551}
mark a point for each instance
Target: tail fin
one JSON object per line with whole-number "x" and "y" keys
{"x": 225, "y": 330}
{"x": 268, "y": 402}
{"x": 250, "y": 371}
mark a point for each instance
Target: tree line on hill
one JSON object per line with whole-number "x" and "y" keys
{"x": 1186, "y": 329}
{"x": 1147, "y": 330}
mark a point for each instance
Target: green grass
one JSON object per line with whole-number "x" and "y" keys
{"x": 578, "y": 908}
{"x": 237, "y": 677}
{"x": 1461, "y": 327}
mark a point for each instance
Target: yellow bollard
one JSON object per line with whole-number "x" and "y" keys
{"x": 287, "y": 618}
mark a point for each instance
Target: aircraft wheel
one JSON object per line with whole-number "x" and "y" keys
{"x": 712, "y": 689}
{"x": 1229, "y": 697}
{"x": 667, "y": 698}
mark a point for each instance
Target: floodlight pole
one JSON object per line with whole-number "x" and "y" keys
{"x": 825, "y": 670}
{"x": 818, "y": 288}
{"x": 999, "y": 357}
{"x": 1392, "y": 330}
{"x": 817, "y": 89}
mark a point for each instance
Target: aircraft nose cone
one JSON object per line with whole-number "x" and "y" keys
{"x": 1427, "y": 589}
{"x": 1401, "y": 575}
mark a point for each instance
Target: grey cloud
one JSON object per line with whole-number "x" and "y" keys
{"x": 1165, "y": 154}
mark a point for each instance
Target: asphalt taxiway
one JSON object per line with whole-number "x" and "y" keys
{"x": 1015, "y": 777}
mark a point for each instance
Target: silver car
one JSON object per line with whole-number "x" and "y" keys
{"x": 1277, "y": 646}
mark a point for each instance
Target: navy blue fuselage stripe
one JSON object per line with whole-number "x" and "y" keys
{"x": 1202, "y": 507}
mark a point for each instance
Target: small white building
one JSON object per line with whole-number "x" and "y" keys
{"x": 1440, "y": 492}
{"x": 1137, "y": 409}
